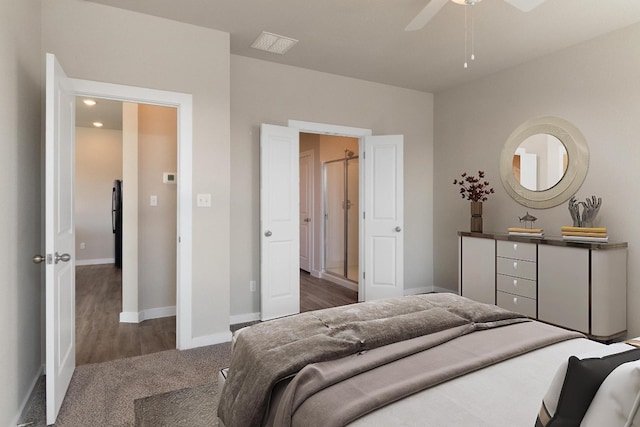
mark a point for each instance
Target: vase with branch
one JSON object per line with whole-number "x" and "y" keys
{"x": 476, "y": 190}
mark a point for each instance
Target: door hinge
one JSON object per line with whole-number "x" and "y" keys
{"x": 363, "y": 215}
{"x": 363, "y": 274}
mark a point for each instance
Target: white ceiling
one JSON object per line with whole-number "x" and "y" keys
{"x": 365, "y": 39}
{"x": 107, "y": 112}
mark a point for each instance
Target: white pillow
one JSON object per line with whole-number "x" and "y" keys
{"x": 617, "y": 400}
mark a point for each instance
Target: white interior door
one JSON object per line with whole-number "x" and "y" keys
{"x": 306, "y": 210}
{"x": 59, "y": 235}
{"x": 279, "y": 222}
{"x": 383, "y": 217}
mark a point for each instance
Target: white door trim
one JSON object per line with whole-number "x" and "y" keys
{"x": 353, "y": 132}
{"x": 183, "y": 102}
{"x": 311, "y": 198}
{"x": 327, "y": 129}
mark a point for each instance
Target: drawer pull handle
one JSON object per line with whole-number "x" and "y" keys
{"x": 515, "y": 283}
{"x": 515, "y": 246}
{"x": 515, "y": 300}
{"x": 515, "y": 265}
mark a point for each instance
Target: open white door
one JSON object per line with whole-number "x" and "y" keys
{"x": 383, "y": 217}
{"x": 59, "y": 235}
{"x": 279, "y": 222}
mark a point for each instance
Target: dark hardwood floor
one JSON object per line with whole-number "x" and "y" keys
{"x": 101, "y": 337}
{"x": 316, "y": 294}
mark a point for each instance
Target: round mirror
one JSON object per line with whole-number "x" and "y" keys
{"x": 544, "y": 162}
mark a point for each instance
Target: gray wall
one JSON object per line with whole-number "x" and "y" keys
{"x": 264, "y": 92}
{"x": 146, "y": 51}
{"x": 157, "y": 153}
{"x": 20, "y": 215}
{"x": 593, "y": 85}
{"x": 98, "y": 163}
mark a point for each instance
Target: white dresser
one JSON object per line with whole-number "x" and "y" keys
{"x": 579, "y": 286}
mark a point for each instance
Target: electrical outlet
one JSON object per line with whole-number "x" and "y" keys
{"x": 252, "y": 286}
{"x": 82, "y": 245}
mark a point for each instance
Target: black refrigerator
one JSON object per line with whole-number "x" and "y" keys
{"x": 116, "y": 220}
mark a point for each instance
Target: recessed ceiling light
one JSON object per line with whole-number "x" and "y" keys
{"x": 89, "y": 102}
{"x": 273, "y": 43}
{"x": 98, "y": 124}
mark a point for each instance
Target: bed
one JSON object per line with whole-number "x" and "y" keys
{"x": 427, "y": 360}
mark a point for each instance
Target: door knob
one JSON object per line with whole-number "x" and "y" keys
{"x": 64, "y": 257}
{"x": 398, "y": 229}
{"x": 268, "y": 233}
{"x": 37, "y": 259}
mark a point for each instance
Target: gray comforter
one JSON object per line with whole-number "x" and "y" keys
{"x": 268, "y": 352}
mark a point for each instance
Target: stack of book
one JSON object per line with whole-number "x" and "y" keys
{"x": 526, "y": 232}
{"x": 585, "y": 234}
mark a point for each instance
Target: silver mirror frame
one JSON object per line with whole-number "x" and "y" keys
{"x": 577, "y": 165}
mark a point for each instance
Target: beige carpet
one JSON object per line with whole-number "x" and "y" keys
{"x": 103, "y": 394}
{"x": 189, "y": 407}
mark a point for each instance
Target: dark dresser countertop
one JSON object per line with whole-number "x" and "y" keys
{"x": 547, "y": 240}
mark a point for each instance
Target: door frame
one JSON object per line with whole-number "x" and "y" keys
{"x": 311, "y": 243}
{"x": 352, "y": 132}
{"x": 184, "y": 104}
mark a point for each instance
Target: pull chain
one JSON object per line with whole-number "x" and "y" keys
{"x": 466, "y": 36}
{"x": 469, "y": 36}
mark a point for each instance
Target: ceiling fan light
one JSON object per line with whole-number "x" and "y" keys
{"x": 467, "y": 2}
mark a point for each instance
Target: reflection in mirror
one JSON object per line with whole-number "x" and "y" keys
{"x": 540, "y": 162}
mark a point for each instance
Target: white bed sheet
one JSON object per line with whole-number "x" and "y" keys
{"x": 507, "y": 394}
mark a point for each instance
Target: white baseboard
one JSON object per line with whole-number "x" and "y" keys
{"x": 244, "y": 318}
{"x": 206, "y": 340}
{"x": 444, "y": 290}
{"x": 152, "y": 313}
{"x": 129, "y": 317}
{"x": 80, "y": 262}
{"x": 420, "y": 290}
{"x": 23, "y": 405}
{"x": 427, "y": 289}
{"x": 157, "y": 313}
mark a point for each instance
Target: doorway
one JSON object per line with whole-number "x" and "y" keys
{"x": 380, "y": 230}
{"x": 329, "y": 208}
{"x": 145, "y": 155}
{"x": 184, "y": 234}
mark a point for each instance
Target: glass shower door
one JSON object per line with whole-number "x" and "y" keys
{"x": 341, "y": 237}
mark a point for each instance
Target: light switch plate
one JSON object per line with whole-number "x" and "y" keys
{"x": 203, "y": 200}
{"x": 153, "y": 200}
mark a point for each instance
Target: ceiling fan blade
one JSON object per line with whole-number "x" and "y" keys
{"x": 425, "y": 15}
{"x": 525, "y": 5}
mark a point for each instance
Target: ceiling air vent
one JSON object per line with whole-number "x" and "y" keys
{"x": 273, "y": 43}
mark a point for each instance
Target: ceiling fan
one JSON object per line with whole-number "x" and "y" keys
{"x": 434, "y": 6}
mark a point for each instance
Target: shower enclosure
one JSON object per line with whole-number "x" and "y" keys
{"x": 341, "y": 227}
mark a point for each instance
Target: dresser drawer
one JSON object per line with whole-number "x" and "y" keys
{"x": 516, "y": 268}
{"x": 517, "y": 286}
{"x": 518, "y": 304}
{"x": 516, "y": 250}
